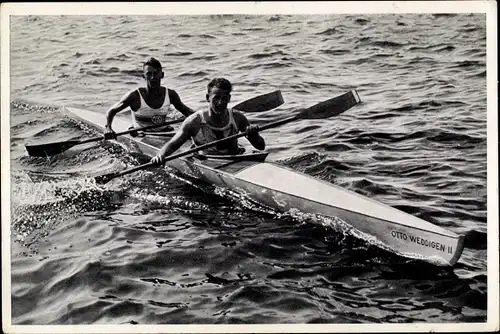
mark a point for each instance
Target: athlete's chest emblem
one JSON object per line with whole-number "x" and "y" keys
{"x": 158, "y": 119}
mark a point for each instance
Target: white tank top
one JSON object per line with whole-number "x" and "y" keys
{"x": 207, "y": 134}
{"x": 146, "y": 116}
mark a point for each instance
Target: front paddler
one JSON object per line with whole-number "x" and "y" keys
{"x": 213, "y": 123}
{"x": 149, "y": 105}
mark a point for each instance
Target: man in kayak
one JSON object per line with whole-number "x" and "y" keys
{"x": 150, "y": 104}
{"x": 215, "y": 122}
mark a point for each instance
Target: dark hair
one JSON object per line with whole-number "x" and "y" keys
{"x": 221, "y": 83}
{"x": 153, "y": 62}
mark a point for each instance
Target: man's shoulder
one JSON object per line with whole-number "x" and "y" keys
{"x": 171, "y": 92}
{"x": 132, "y": 94}
{"x": 239, "y": 116}
{"x": 192, "y": 123}
{"x": 194, "y": 118}
{"x": 130, "y": 98}
{"x": 238, "y": 112}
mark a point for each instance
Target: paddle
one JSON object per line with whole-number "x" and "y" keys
{"x": 325, "y": 109}
{"x": 259, "y": 103}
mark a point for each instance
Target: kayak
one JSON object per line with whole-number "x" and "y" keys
{"x": 285, "y": 189}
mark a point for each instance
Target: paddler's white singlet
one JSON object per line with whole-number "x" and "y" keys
{"x": 147, "y": 116}
{"x": 207, "y": 134}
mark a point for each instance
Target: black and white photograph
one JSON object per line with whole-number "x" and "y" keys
{"x": 249, "y": 167}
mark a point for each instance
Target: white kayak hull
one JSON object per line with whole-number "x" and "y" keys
{"x": 284, "y": 189}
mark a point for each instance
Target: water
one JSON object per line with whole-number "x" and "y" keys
{"x": 150, "y": 248}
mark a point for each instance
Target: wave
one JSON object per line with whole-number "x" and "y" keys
{"x": 441, "y": 136}
{"x": 433, "y": 47}
{"x": 337, "y": 147}
{"x": 363, "y": 42}
{"x": 368, "y": 138}
{"x": 198, "y": 36}
{"x": 205, "y": 57}
{"x": 267, "y": 65}
{"x": 360, "y": 61}
{"x": 476, "y": 240}
{"x": 267, "y": 54}
{"x": 289, "y": 33}
{"x": 460, "y": 141}
{"x": 112, "y": 69}
{"x": 422, "y": 60}
{"x": 379, "y": 115}
{"x": 471, "y": 29}
{"x": 34, "y": 131}
{"x": 207, "y": 36}
{"x": 370, "y": 188}
{"x": 194, "y": 74}
{"x": 301, "y": 160}
{"x": 468, "y": 63}
{"x": 253, "y": 29}
{"x": 120, "y": 57}
{"x": 473, "y": 52}
{"x": 178, "y": 54}
{"x": 387, "y": 44}
{"x": 316, "y": 84}
{"x": 326, "y": 169}
{"x": 424, "y": 105}
{"x": 481, "y": 74}
{"x": 335, "y": 52}
{"x": 328, "y": 32}
{"x": 445, "y": 48}
{"x": 133, "y": 73}
{"x": 361, "y": 21}
{"x": 92, "y": 62}
{"x": 444, "y": 15}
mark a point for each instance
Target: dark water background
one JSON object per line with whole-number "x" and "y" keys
{"x": 151, "y": 249}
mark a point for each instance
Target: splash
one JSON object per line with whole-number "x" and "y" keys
{"x": 26, "y": 106}
{"x": 36, "y": 208}
{"x": 168, "y": 201}
{"x": 244, "y": 202}
{"x": 29, "y": 193}
{"x": 346, "y": 229}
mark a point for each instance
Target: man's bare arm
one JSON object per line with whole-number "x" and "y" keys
{"x": 254, "y": 137}
{"x": 177, "y": 103}
{"x": 125, "y": 101}
{"x": 188, "y": 129}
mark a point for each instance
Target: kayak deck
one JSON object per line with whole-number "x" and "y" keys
{"x": 284, "y": 189}
{"x": 403, "y": 233}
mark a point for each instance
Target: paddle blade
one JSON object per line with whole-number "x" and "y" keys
{"x": 44, "y": 150}
{"x": 103, "y": 179}
{"x": 332, "y": 107}
{"x": 261, "y": 103}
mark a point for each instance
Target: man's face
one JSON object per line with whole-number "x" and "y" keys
{"x": 218, "y": 99}
{"x": 153, "y": 76}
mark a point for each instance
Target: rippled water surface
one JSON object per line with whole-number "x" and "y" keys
{"x": 150, "y": 248}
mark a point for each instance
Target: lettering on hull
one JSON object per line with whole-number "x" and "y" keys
{"x": 422, "y": 241}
